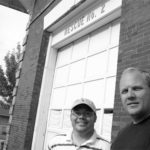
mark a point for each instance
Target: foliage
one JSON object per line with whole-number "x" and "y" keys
{"x": 3, "y": 83}
{"x": 7, "y": 77}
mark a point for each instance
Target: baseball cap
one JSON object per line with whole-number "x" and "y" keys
{"x": 85, "y": 101}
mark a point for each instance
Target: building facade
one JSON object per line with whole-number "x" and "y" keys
{"x": 4, "y": 117}
{"x": 73, "y": 49}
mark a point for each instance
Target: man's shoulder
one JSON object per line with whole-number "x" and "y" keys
{"x": 58, "y": 138}
{"x": 102, "y": 142}
{"x": 99, "y": 138}
{"x": 125, "y": 127}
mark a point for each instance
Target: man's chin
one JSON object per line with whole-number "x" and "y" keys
{"x": 81, "y": 128}
{"x": 133, "y": 112}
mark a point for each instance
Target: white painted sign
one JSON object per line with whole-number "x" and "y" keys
{"x": 60, "y": 9}
{"x": 86, "y": 20}
{"x": 83, "y": 21}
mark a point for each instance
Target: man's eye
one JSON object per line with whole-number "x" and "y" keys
{"x": 124, "y": 91}
{"x": 86, "y": 113}
{"x": 137, "y": 88}
{"x": 78, "y": 112}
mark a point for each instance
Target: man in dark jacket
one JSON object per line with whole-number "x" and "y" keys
{"x": 135, "y": 97}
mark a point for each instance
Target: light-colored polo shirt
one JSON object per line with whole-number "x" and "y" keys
{"x": 64, "y": 142}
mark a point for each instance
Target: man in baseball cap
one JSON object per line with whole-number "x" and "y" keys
{"x": 84, "y": 101}
{"x": 83, "y": 117}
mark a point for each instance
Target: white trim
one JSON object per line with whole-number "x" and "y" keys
{"x": 42, "y": 110}
{"x": 79, "y": 23}
{"x": 49, "y": 18}
{"x": 58, "y": 42}
{"x": 55, "y": 14}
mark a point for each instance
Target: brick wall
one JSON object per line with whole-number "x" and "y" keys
{"x": 3, "y": 125}
{"x": 4, "y": 117}
{"x": 29, "y": 78}
{"x": 27, "y": 92}
{"x": 134, "y": 49}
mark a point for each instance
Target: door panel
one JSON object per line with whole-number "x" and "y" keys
{"x": 85, "y": 68}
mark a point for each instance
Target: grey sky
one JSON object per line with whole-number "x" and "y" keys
{"x": 12, "y": 30}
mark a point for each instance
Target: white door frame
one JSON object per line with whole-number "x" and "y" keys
{"x": 56, "y": 40}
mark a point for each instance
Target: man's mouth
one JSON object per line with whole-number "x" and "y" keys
{"x": 82, "y": 123}
{"x": 132, "y": 104}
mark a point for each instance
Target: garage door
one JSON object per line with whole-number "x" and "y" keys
{"x": 85, "y": 68}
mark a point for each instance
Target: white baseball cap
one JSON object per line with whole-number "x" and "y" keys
{"x": 84, "y": 101}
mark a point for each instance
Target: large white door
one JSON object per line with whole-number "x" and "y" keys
{"x": 85, "y": 68}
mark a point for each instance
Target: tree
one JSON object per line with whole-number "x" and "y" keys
{"x": 7, "y": 78}
{"x": 3, "y": 83}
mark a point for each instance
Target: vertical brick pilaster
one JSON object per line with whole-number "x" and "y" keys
{"x": 134, "y": 49}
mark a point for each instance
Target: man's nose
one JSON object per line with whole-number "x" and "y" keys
{"x": 82, "y": 115}
{"x": 131, "y": 94}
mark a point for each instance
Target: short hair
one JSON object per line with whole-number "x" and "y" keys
{"x": 145, "y": 74}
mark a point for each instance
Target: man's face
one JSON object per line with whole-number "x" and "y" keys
{"x": 135, "y": 95}
{"x": 82, "y": 118}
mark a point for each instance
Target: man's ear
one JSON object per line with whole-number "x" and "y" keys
{"x": 95, "y": 117}
{"x": 70, "y": 114}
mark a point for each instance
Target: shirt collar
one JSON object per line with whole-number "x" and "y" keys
{"x": 92, "y": 139}
{"x": 142, "y": 120}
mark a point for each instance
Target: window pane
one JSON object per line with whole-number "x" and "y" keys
{"x": 55, "y": 119}
{"x": 61, "y": 76}
{"x": 113, "y": 58}
{"x": 110, "y": 92}
{"x": 95, "y": 91}
{"x": 96, "y": 66}
{"x": 115, "y": 35}
{"x": 73, "y": 92}
{"x": 107, "y": 125}
{"x": 66, "y": 120}
{"x": 99, "y": 41}
{"x": 49, "y": 136}
{"x": 77, "y": 72}
{"x": 80, "y": 49}
{"x": 64, "y": 56}
{"x": 98, "y": 124}
{"x": 58, "y": 98}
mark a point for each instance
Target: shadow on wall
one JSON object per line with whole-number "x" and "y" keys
{"x": 1, "y": 145}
